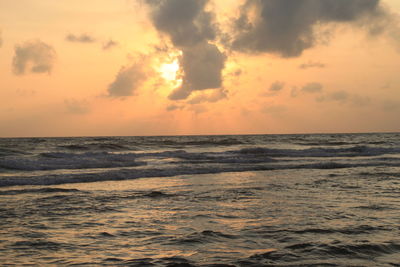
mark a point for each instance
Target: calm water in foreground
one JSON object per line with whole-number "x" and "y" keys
{"x": 267, "y": 200}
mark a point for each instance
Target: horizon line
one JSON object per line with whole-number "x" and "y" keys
{"x": 197, "y": 135}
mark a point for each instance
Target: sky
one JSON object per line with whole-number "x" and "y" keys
{"x": 183, "y": 67}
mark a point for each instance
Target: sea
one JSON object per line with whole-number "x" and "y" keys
{"x": 229, "y": 200}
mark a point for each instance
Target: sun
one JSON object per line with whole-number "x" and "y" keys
{"x": 169, "y": 71}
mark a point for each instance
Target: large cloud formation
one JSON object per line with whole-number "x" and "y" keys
{"x": 191, "y": 28}
{"x": 36, "y": 54}
{"x": 287, "y": 27}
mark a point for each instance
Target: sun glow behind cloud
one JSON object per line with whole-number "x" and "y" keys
{"x": 169, "y": 71}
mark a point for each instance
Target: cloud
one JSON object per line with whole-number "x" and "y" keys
{"x": 184, "y": 21}
{"x": 344, "y": 97}
{"x": 37, "y": 55}
{"x": 83, "y": 38}
{"x": 340, "y": 96}
{"x": 312, "y": 88}
{"x": 110, "y": 44}
{"x": 190, "y": 29}
{"x": 128, "y": 80}
{"x": 311, "y": 64}
{"x": 287, "y": 27}
{"x": 202, "y": 69}
{"x": 197, "y": 109}
{"x": 174, "y": 107}
{"x": 212, "y": 97}
{"x": 276, "y": 86}
{"x": 76, "y": 107}
{"x": 180, "y": 93}
{"x": 274, "y": 89}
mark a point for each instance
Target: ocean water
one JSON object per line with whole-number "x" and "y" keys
{"x": 256, "y": 200}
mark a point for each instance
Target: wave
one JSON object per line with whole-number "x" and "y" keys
{"x": 46, "y": 190}
{"x": 354, "y": 151}
{"x": 55, "y": 161}
{"x": 10, "y": 152}
{"x": 202, "y": 237}
{"x": 206, "y": 142}
{"x": 182, "y": 169}
{"x": 247, "y": 159}
{"x": 95, "y": 146}
{"x": 253, "y": 154}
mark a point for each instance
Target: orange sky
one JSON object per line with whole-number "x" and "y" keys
{"x": 125, "y": 67}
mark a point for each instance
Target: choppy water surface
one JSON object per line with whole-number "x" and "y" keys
{"x": 282, "y": 200}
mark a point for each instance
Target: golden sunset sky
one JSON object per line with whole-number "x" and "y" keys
{"x": 174, "y": 67}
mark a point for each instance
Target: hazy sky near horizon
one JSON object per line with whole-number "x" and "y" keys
{"x": 171, "y": 67}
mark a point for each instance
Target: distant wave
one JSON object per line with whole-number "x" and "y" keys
{"x": 127, "y": 174}
{"x": 55, "y": 161}
{"x": 354, "y": 151}
{"x": 95, "y": 146}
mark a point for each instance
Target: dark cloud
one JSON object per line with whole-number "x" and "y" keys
{"x": 128, "y": 80}
{"x": 202, "y": 68}
{"x": 37, "y": 55}
{"x": 110, "y": 44}
{"x": 83, "y": 38}
{"x": 287, "y": 27}
{"x": 311, "y": 64}
{"x": 312, "y": 88}
{"x": 191, "y": 28}
{"x": 180, "y": 93}
{"x": 184, "y": 21}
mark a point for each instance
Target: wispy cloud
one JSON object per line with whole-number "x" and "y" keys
{"x": 109, "y": 45}
{"x": 37, "y": 55}
{"x": 174, "y": 107}
{"x": 312, "y": 64}
{"x": 74, "y": 106}
{"x": 312, "y": 88}
{"x": 82, "y": 38}
{"x": 343, "y": 97}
